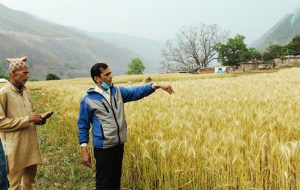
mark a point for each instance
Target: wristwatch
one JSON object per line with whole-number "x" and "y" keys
{"x": 154, "y": 86}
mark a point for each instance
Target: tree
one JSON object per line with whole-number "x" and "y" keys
{"x": 2, "y": 69}
{"x": 193, "y": 48}
{"x": 273, "y": 52}
{"x": 293, "y": 48}
{"x": 277, "y": 51}
{"x": 135, "y": 67}
{"x": 253, "y": 54}
{"x": 234, "y": 51}
{"x": 52, "y": 76}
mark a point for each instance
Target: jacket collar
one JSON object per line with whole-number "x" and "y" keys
{"x": 93, "y": 90}
{"x": 15, "y": 89}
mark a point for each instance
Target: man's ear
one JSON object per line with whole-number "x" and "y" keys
{"x": 97, "y": 79}
{"x": 12, "y": 73}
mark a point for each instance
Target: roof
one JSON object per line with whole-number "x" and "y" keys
{"x": 221, "y": 66}
{"x": 291, "y": 56}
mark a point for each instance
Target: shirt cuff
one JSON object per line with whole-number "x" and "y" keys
{"x": 154, "y": 86}
{"x": 83, "y": 145}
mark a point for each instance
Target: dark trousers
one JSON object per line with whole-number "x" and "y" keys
{"x": 109, "y": 167}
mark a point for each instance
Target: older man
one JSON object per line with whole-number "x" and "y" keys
{"x": 17, "y": 127}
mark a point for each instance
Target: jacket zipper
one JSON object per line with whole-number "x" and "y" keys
{"x": 115, "y": 102}
{"x": 103, "y": 137}
{"x": 116, "y": 121}
{"x": 118, "y": 127}
{"x": 105, "y": 107}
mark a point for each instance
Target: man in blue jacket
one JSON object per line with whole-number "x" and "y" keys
{"x": 3, "y": 170}
{"x": 103, "y": 107}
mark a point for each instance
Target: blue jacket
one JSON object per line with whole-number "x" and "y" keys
{"x": 108, "y": 121}
{"x": 3, "y": 170}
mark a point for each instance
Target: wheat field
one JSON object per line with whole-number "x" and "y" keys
{"x": 215, "y": 132}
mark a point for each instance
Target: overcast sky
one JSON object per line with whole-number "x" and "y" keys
{"x": 160, "y": 19}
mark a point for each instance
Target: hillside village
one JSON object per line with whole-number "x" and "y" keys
{"x": 256, "y": 65}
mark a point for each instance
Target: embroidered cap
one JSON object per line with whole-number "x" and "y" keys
{"x": 17, "y": 63}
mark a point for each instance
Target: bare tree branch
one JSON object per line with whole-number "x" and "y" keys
{"x": 194, "y": 48}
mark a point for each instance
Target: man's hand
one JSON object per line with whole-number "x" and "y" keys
{"x": 85, "y": 157}
{"x": 36, "y": 118}
{"x": 44, "y": 117}
{"x": 165, "y": 86}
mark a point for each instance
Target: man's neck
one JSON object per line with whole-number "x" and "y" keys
{"x": 99, "y": 86}
{"x": 16, "y": 85}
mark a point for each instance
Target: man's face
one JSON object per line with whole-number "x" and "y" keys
{"x": 106, "y": 76}
{"x": 20, "y": 77}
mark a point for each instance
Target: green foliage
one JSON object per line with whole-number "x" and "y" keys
{"x": 236, "y": 51}
{"x": 253, "y": 54}
{"x": 276, "y": 51}
{"x": 135, "y": 67}
{"x": 273, "y": 51}
{"x": 52, "y": 76}
{"x": 3, "y": 68}
{"x": 294, "y": 46}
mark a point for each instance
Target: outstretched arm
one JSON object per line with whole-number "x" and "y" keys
{"x": 138, "y": 92}
{"x": 134, "y": 93}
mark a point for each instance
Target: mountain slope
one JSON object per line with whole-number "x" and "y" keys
{"x": 148, "y": 50}
{"x": 54, "y": 48}
{"x": 281, "y": 33}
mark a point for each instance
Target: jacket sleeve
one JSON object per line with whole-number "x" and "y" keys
{"x": 136, "y": 92}
{"x": 3, "y": 171}
{"x": 84, "y": 120}
{"x": 10, "y": 124}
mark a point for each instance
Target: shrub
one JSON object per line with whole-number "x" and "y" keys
{"x": 52, "y": 76}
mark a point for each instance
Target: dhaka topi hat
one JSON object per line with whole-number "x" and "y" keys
{"x": 17, "y": 63}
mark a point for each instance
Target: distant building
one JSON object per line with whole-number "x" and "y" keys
{"x": 256, "y": 65}
{"x": 277, "y": 61}
{"x": 221, "y": 69}
{"x": 287, "y": 59}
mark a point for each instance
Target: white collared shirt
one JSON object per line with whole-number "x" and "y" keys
{"x": 105, "y": 93}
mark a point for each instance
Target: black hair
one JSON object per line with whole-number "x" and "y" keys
{"x": 96, "y": 70}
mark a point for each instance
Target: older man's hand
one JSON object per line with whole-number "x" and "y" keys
{"x": 34, "y": 117}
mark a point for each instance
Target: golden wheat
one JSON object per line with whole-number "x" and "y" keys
{"x": 216, "y": 133}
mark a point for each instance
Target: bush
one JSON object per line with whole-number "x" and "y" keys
{"x": 135, "y": 67}
{"x": 147, "y": 79}
{"x": 51, "y": 76}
